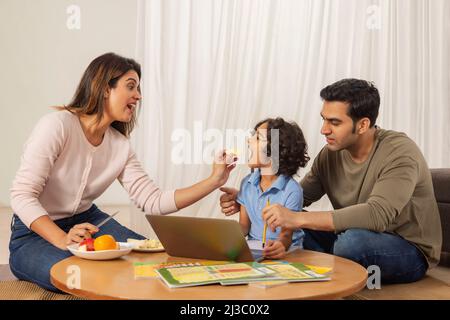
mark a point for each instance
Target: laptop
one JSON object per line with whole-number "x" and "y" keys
{"x": 203, "y": 238}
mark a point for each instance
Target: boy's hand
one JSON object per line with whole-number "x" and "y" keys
{"x": 228, "y": 201}
{"x": 274, "y": 249}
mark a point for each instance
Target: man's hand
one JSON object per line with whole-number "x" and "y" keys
{"x": 274, "y": 250}
{"x": 228, "y": 201}
{"x": 278, "y": 216}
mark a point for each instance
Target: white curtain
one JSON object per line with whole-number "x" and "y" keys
{"x": 226, "y": 64}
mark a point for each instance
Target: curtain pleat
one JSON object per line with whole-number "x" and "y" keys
{"x": 226, "y": 64}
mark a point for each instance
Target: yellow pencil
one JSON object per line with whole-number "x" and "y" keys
{"x": 265, "y": 227}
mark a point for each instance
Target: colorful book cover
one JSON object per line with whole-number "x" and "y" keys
{"x": 320, "y": 270}
{"x": 204, "y": 275}
{"x": 284, "y": 273}
{"x": 147, "y": 269}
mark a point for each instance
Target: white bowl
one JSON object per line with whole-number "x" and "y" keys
{"x": 125, "y": 248}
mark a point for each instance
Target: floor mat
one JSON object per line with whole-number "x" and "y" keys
{"x": 23, "y": 290}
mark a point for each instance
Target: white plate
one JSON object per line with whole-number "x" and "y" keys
{"x": 125, "y": 248}
{"x": 135, "y": 244}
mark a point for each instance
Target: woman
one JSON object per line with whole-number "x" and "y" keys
{"x": 72, "y": 157}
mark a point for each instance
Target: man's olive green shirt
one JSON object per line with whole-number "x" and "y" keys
{"x": 391, "y": 191}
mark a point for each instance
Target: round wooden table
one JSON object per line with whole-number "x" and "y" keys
{"x": 114, "y": 279}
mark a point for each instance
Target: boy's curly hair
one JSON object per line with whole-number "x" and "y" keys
{"x": 293, "y": 149}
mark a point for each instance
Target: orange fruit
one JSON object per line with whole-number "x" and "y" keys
{"x": 105, "y": 242}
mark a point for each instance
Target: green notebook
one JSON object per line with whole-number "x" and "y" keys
{"x": 203, "y": 275}
{"x": 283, "y": 272}
{"x": 238, "y": 273}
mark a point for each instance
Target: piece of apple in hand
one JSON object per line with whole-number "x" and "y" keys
{"x": 86, "y": 245}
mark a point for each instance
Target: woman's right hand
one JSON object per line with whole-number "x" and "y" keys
{"x": 80, "y": 232}
{"x": 47, "y": 229}
{"x": 228, "y": 201}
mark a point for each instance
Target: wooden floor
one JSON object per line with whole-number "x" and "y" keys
{"x": 5, "y": 273}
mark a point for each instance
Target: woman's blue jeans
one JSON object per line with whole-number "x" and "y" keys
{"x": 31, "y": 257}
{"x": 399, "y": 260}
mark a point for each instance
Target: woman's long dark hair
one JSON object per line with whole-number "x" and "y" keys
{"x": 102, "y": 73}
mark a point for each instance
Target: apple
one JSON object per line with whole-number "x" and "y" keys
{"x": 87, "y": 245}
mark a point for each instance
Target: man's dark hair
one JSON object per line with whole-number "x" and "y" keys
{"x": 293, "y": 150}
{"x": 361, "y": 95}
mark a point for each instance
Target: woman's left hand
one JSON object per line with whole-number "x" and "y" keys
{"x": 224, "y": 163}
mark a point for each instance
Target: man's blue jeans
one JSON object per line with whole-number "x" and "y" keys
{"x": 31, "y": 257}
{"x": 399, "y": 260}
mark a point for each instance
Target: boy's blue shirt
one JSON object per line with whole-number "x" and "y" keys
{"x": 284, "y": 191}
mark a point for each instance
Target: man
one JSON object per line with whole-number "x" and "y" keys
{"x": 379, "y": 184}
